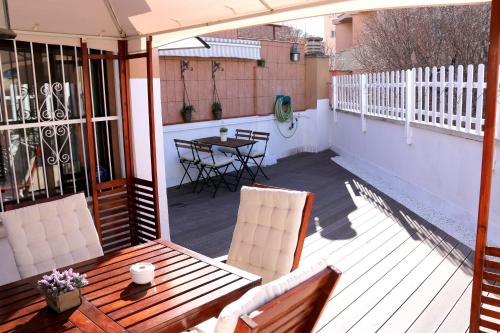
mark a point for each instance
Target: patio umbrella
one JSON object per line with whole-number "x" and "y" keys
{"x": 175, "y": 19}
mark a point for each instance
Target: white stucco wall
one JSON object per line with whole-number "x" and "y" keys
{"x": 312, "y": 136}
{"x": 141, "y": 148}
{"x": 436, "y": 163}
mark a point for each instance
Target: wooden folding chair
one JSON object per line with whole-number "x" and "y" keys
{"x": 244, "y": 261}
{"x": 257, "y": 155}
{"x": 187, "y": 158}
{"x": 306, "y": 216}
{"x": 297, "y": 310}
{"x": 238, "y": 134}
{"x": 211, "y": 163}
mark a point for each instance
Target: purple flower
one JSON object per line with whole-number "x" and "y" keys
{"x": 60, "y": 282}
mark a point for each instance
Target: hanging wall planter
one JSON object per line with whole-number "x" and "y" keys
{"x": 187, "y": 112}
{"x": 187, "y": 109}
{"x": 217, "y": 110}
{"x": 216, "y": 104}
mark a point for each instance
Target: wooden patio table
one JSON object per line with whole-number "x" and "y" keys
{"x": 236, "y": 144}
{"x": 188, "y": 289}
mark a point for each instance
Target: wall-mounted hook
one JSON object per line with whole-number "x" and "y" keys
{"x": 216, "y": 66}
{"x": 185, "y": 66}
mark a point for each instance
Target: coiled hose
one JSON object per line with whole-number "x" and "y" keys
{"x": 283, "y": 111}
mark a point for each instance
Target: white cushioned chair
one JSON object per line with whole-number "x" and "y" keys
{"x": 51, "y": 235}
{"x": 270, "y": 230}
{"x": 296, "y": 299}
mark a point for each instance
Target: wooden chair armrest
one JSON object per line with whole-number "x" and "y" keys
{"x": 222, "y": 258}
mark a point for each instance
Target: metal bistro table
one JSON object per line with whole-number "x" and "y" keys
{"x": 236, "y": 144}
{"x": 188, "y": 289}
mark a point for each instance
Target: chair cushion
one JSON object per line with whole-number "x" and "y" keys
{"x": 51, "y": 235}
{"x": 266, "y": 232}
{"x": 227, "y": 150}
{"x": 9, "y": 272}
{"x": 188, "y": 157}
{"x": 252, "y": 153}
{"x": 259, "y": 296}
{"x": 220, "y": 160}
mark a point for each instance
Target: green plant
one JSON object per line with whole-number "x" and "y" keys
{"x": 216, "y": 106}
{"x": 217, "y": 110}
{"x": 223, "y": 130}
{"x": 187, "y": 111}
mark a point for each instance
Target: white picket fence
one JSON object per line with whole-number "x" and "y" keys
{"x": 435, "y": 96}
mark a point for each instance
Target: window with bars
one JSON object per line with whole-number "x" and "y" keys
{"x": 43, "y": 145}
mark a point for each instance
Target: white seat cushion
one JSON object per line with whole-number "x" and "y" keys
{"x": 51, "y": 235}
{"x": 252, "y": 153}
{"x": 267, "y": 230}
{"x": 188, "y": 157}
{"x": 9, "y": 272}
{"x": 227, "y": 150}
{"x": 220, "y": 160}
{"x": 258, "y": 296}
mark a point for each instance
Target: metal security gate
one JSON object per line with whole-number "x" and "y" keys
{"x": 65, "y": 128}
{"x": 43, "y": 146}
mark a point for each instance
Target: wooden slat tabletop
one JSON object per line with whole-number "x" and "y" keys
{"x": 230, "y": 143}
{"x": 188, "y": 288}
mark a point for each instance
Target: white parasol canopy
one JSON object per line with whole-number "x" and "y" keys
{"x": 173, "y": 20}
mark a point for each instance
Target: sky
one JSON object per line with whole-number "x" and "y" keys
{"x": 312, "y": 26}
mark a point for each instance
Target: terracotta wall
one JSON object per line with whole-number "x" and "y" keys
{"x": 244, "y": 88}
{"x": 343, "y": 36}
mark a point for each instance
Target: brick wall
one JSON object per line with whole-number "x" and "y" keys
{"x": 244, "y": 88}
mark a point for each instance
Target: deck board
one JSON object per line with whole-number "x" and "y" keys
{"x": 397, "y": 268}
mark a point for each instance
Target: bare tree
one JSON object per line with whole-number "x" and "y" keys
{"x": 406, "y": 38}
{"x": 288, "y": 33}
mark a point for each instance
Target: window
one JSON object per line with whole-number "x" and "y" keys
{"x": 333, "y": 33}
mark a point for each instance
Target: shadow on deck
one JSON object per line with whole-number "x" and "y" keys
{"x": 400, "y": 272}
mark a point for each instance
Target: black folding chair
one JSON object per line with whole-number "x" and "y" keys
{"x": 256, "y": 154}
{"x": 239, "y": 134}
{"x": 212, "y": 163}
{"x": 187, "y": 158}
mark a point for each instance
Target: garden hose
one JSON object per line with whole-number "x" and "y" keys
{"x": 283, "y": 111}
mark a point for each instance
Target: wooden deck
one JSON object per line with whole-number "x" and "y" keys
{"x": 400, "y": 273}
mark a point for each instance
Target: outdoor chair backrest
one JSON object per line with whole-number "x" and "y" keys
{"x": 184, "y": 145}
{"x": 261, "y": 136}
{"x": 270, "y": 230}
{"x": 292, "y": 303}
{"x": 243, "y": 134}
{"x": 52, "y": 234}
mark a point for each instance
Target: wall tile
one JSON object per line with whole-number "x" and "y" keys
{"x": 237, "y": 84}
{"x": 169, "y": 88}
{"x": 192, "y": 90}
{"x": 179, "y": 91}
{"x": 205, "y": 89}
{"x": 204, "y": 70}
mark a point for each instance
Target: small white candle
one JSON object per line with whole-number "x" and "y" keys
{"x": 142, "y": 272}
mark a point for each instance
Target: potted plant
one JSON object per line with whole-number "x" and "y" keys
{"x": 63, "y": 289}
{"x": 223, "y": 134}
{"x": 187, "y": 112}
{"x": 217, "y": 110}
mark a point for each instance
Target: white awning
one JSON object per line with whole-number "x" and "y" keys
{"x": 219, "y": 48}
{"x": 177, "y": 19}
